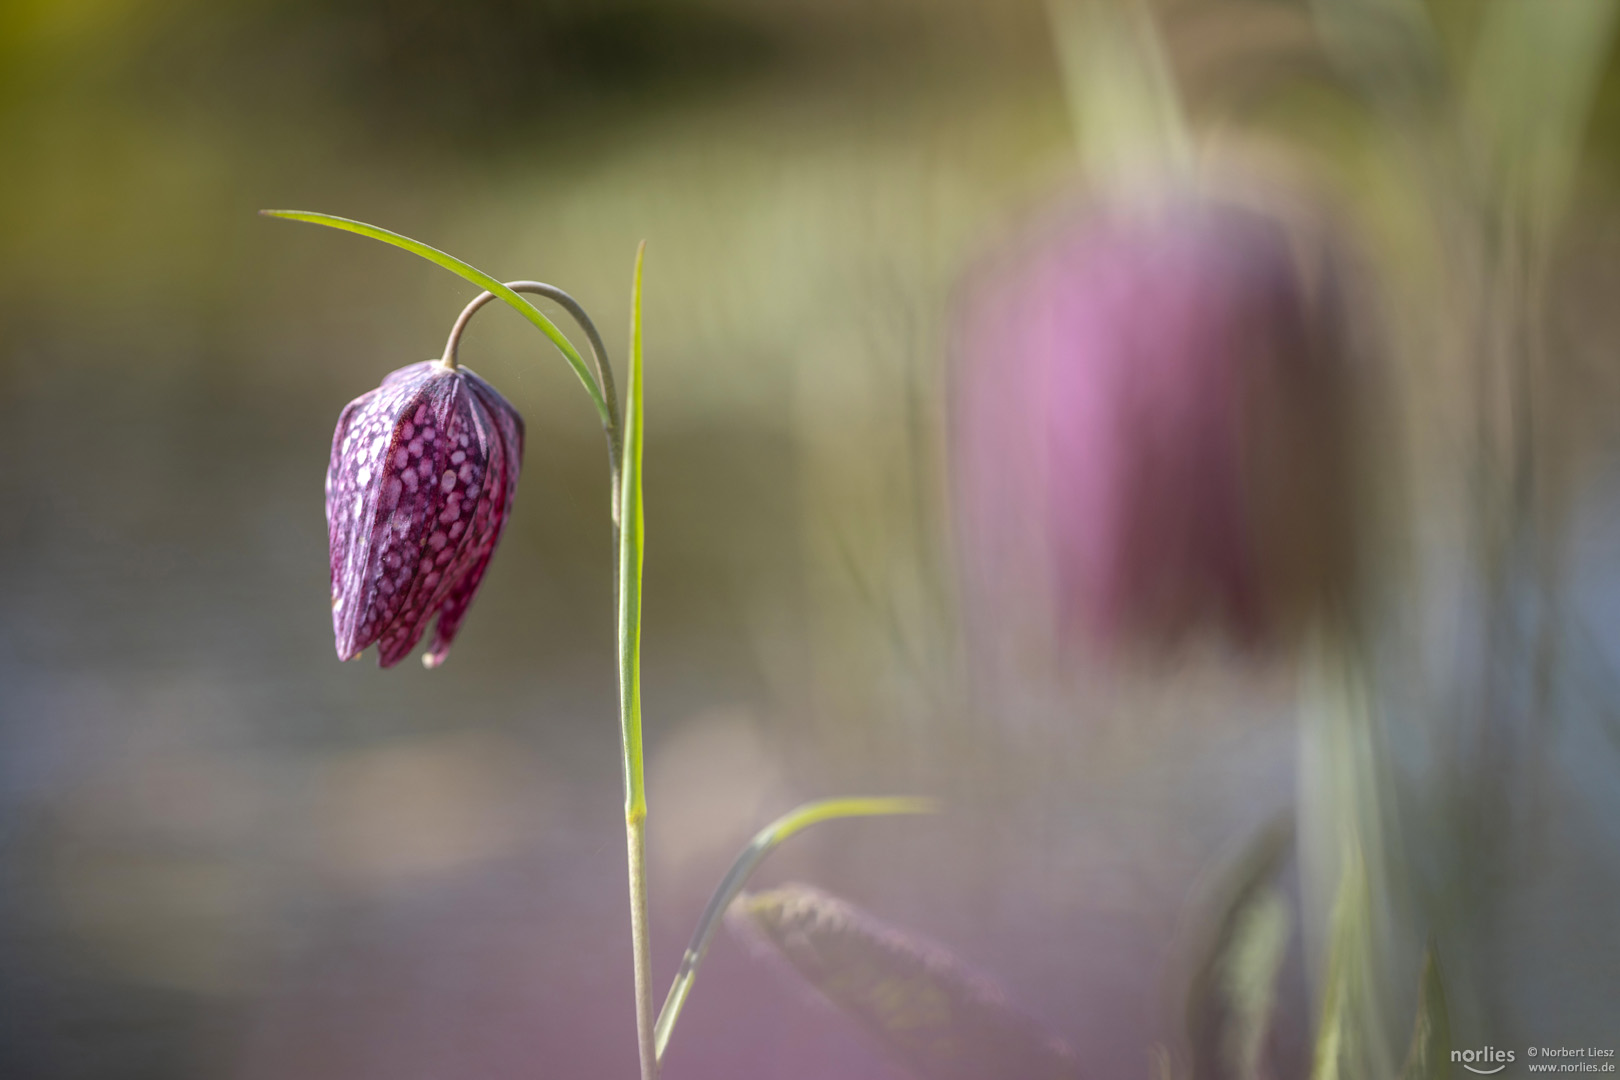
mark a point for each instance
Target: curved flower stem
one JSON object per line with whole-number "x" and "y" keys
{"x": 462, "y": 270}
{"x": 611, "y": 422}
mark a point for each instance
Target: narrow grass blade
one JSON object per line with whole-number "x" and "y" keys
{"x": 762, "y": 844}
{"x": 1346, "y": 1039}
{"x": 1430, "y": 1055}
{"x": 1232, "y": 993}
{"x": 1123, "y": 101}
{"x": 1330, "y": 1032}
{"x": 938, "y": 1016}
{"x": 470, "y": 273}
{"x": 632, "y": 537}
{"x": 632, "y": 541}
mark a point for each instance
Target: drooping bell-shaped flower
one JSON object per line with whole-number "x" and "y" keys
{"x": 1150, "y": 417}
{"x": 418, "y": 490}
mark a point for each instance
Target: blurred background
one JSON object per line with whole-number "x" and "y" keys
{"x": 223, "y": 854}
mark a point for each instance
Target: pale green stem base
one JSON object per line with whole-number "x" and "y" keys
{"x": 636, "y": 848}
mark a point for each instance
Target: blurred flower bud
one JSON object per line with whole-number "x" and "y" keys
{"x": 419, "y": 487}
{"x": 1150, "y": 427}
{"x": 936, "y": 1014}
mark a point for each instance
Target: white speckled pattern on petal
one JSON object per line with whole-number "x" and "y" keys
{"x": 418, "y": 490}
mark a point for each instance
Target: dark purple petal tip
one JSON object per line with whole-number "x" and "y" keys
{"x": 418, "y": 490}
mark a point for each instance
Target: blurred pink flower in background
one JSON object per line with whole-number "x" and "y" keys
{"x": 1149, "y": 425}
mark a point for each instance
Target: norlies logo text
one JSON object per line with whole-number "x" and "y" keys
{"x": 1489, "y": 1056}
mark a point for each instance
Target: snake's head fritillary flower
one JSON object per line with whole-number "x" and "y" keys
{"x": 1150, "y": 423}
{"x": 418, "y": 491}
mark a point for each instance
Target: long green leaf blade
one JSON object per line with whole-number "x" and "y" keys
{"x": 470, "y": 273}
{"x": 763, "y": 843}
{"x": 1430, "y": 1055}
{"x": 1348, "y": 1039}
{"x": 631, "y": 541}
{"x": 1232, "y": 993}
